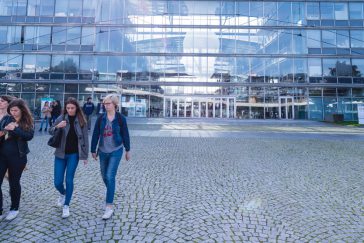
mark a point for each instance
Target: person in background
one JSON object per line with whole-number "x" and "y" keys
{"x": 4, "y": 117}
{"x": 74, "y": 147}
{"x": 88, "y": 109}
{"x": 111, "y": 134}
{"x": 100, "y": 108}
{"x": 56, "y": 111}
{"x": 13, "y": 151}
{"x": 46, "y": 114}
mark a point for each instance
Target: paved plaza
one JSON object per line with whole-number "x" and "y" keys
{"x": 204, "y": 181}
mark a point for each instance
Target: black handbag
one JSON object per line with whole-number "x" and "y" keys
{"x": 55, "y": 140}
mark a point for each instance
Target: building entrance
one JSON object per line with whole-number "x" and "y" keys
{"x": 286, "y": 107}
{"x": 199, "y": 107}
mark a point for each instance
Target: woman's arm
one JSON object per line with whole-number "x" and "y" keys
{"x": 23, "y": 134}
{"x": 125, "y": 134}
{"x": 95, "y": 135}
{"x": 53, "y": 127}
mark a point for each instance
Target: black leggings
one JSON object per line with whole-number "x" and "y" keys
{"x": 15, "y": 166}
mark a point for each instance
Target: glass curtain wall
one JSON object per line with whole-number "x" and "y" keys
{"x": 273, "y": 59}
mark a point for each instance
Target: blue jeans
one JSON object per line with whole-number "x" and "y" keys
{"x": 68, "y": 165}
{"x": 45, "y": 119}
{"x": 109, "y": 163}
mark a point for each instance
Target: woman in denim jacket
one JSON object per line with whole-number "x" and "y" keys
{"x": 111, "y": 133}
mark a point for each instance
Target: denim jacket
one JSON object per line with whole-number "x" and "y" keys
{"x": 121, "y": 136}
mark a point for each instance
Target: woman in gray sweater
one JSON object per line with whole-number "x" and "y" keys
{"x": 74, "y": 147}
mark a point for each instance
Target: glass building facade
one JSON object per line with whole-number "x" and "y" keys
{"x": 217, "y": 59}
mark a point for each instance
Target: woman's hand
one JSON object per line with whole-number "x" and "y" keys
{"x": 94, "y": 155}
{"x": 62, "y": 124}
{"x": 11, "y": 126}
{"x": 2, "y": 133}
{"x": 85, "y": 162}
{"x": 127, "y": 155}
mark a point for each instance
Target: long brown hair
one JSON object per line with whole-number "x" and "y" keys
{"x": 26, "y": 120}
{"x": 79, "y": 112}
{"x": 7, "y": 98}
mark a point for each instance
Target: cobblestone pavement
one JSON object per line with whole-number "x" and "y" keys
{"x": 221, "y": 188}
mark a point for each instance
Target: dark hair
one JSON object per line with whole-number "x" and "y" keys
{"x": 89, "y": 98}
{"x": 26, "y": 120}
{"x": 7, "y": 98}
{"x": 79, "y": 112}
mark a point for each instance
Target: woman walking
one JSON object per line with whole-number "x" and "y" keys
{"x": 111, "y": 133}
{"x": 73, "y": 147}
{"x": 17, "y": 131}
{"x": 46, "y": 114}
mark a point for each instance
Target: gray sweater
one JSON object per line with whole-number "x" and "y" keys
{"x": 82, "y": 134}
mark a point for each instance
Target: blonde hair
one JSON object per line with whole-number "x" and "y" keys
{"x": 113, "y": 98}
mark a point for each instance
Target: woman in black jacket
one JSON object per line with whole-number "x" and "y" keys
{"x": 13, "y": 151}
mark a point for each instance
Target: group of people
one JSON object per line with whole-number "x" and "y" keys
{"x": 49, "y": 113}
{"x": 109, "y": 138}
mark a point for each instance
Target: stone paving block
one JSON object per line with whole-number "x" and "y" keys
{"x": 200, "y": 189}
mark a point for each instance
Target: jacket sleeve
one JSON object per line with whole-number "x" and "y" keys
{"x": 95, "y": 135}
{"x": 24, "y": 135}
{"x": 85, "y": 137}
{"x": 53, "y": 128}
{"x": 125, "y": 134}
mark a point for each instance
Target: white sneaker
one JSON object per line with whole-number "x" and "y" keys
{"x": 108, "y": 212}
{"x": 66, "y": 211}
{"x": 61, "y": 200}
{"x": 12, "y": 215}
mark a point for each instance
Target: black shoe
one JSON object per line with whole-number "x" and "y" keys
{"x": 40, "y": 129}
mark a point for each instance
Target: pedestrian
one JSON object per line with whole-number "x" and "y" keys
{"x": 46, "y": 114}
{"x": 111, "y": 134}
{"x": 18, "y": 130}
{"x": 56, "y": 111}
{"x": 100, "y": 109}
{"x": 4, "y": 116}
{"x": 73, "y": 147}
{"x": 88, "y": 109}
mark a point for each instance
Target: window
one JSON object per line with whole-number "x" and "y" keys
{"x": 341, "y": 11}
{"x": 59, "y": 35}
{"x": 14, "y": 34}
{"x": 73, "y": 35}
{"x": 327, "y": 10}
{"x": 344, "y": 68}
{"x": 342, "y": 38}
{"x": 57, "y": 63}
{"x": 314, "y": 67}
{"x": 329, "y": 67}
{"x": 329, "y": 38}
{"x": 357, "y": 38}
{"x": 356, "y": 10}
{"x": 89, "y": 7}
{"x": 88, "y": 36}
{"x": 358, "y": 67}
{"x": 313, "y": 39}
{"x": 313, "y": 10}
{"x": 61, "y": 8}
{"x": 3, "y": 34}
{"x": 43, "y": 63}
{"x": 6, "y": 7}
{"x": 40, "y": 7}
{"x": 74, "y": 7}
